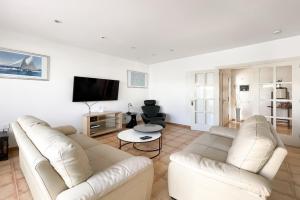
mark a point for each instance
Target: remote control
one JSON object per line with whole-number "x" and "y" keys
{"x": 145, "y": 137}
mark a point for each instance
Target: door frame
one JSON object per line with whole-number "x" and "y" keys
{"x": 221, "y": 75}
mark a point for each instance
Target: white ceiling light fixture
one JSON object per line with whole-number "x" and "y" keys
{"x": 57, "y": 21}
{"x": 278, "y": 31}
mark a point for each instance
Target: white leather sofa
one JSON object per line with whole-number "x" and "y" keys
{"x": 228, "y": 164}
{"x": 60, "y": 164}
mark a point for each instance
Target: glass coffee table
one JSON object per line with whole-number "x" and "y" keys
{"x": 135, "y": 135}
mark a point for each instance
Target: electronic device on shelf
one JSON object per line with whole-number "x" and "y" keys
{"x": 95, "y": 126}
{"x": 93, "y": 119}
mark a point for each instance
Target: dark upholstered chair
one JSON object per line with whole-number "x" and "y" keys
{"x": 151, "y": 113}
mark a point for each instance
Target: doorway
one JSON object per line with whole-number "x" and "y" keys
{"x": 262, "y": 89}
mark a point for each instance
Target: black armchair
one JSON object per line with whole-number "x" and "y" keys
{"x": 151, "y": 113}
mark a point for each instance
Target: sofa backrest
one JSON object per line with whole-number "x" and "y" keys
{"x": 65, "y": 155}
{"x": 45, "y": 182}
{"x": 253, "y": 146}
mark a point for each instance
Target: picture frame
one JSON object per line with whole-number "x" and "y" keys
{"x": 23, "y": 65}
{"x": 136, "y": 79}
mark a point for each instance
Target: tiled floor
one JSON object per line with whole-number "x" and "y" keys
{"x": 286, "y": 185}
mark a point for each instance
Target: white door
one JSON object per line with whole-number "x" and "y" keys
{"x": 205, "y": 102}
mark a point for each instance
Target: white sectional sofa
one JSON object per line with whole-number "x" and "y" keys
{"x": 228, "y": 164}
{"x": 60, "y": 164}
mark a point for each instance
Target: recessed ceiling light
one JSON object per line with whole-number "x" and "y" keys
{"x": 276, "y": 32}
{"x": 102, "y": 37}
{"x": 57, "y": 21}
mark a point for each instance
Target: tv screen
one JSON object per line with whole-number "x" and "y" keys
{"x": 93, "y": 89}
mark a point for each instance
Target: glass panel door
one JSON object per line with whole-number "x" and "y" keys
{"x": 275, "y": 97}
{"x": 283, "y": 99}
{"x": 204, "y": 104}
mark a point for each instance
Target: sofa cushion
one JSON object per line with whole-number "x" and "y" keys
{"x": 108, "y": 154}
{"x": 253, "y": 146}
{"x": 84, "y": 141}
{"x": 67, "y": 130}
{"x": 65, "y": 155}
{"x": 255, "y": 119}
{"x": 28, "y": 121}
{"x": 210, "y": 146}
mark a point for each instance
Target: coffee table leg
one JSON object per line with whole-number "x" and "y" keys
{"x": 121, "y": 145}
{"x": 151, "y": 150}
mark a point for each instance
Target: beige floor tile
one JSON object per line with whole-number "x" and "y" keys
{"x": 19, "y": 174}
{"x": 284, "y": 176}
{"x": 4, "y": 162}
{"x": 165, "y": 159}
{"x": 160, "y": 169}
{"x": 297, "y": 190}
{"x": 22, "y": 185}
{"x": 296, "y": 178}
{"x": 294, "y": 169}
{"x": 6, "y": 179}
{"x": 8, "y": 191}
{"x": 283, "y": 187}
{"x": 293, "y": 161}
{"x": 25, "y": 196}
{"x": 284, "y": 166}
{"x": 5, "y": 169}
{"x": 293, "y": 149}
{"x": 159, "y": 189}
{"x": 279, "y": 196}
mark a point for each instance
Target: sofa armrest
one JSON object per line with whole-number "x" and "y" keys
{"x": 67, "y": 129}
{"x": 224, "y": 131}
{"x": 105, "y": 181}
{"x": 223, "y": 172}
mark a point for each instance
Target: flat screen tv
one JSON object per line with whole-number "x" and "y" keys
{"x": 93, "y": 89}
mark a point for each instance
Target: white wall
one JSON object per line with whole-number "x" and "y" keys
{"x": 168, "y": 80}
{"x": 52, "y": 100}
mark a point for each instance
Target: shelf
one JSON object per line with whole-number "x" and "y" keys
{"x": 103, "y": 125}
{"x": 106, "y": 119}
{"x": 108, "y": 130}
{"x": 95, "y": 124}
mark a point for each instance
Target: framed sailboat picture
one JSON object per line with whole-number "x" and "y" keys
{"x": 23, "y": 65}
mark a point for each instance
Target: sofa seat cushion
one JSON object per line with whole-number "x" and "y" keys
{"x": 104, "y": 182}
{"x": 65, "y": 155}
{"x": 84, "y": 141}
{"x": 210, "y": 146}
{"x": 67, "y": 130}
{"x": 102, "y": 156}
{"x": 253, "y": 146}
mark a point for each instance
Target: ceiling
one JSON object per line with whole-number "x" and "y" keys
{"x": 151, "y": 31}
